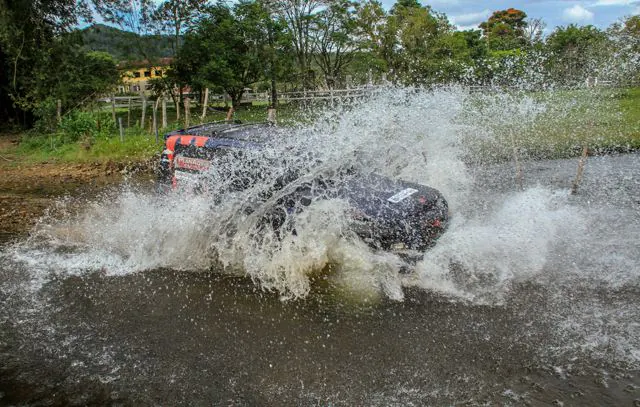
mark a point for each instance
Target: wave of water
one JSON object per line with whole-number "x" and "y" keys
{"x": 409, "y": 134}
{"x": 500, "y": 235}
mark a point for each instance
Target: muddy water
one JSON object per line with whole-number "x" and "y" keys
{"x": 566, "y": 335}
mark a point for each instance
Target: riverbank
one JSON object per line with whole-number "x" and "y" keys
{"x": 28, "y": 188}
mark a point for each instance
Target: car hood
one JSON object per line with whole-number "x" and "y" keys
{"x": 383, "y": 198}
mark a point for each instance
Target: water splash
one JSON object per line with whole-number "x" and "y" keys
{"x": 495, "y": 238}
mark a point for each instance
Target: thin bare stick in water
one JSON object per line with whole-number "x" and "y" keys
{"x": 519, "y": 174}
{"x": 581, "y": 164}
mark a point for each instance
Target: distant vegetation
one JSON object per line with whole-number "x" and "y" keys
{"x": 51, "y": 71}
{"x": 121, "y": 45}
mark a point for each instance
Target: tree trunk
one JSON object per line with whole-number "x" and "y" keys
{"x": 164, "y": 111}
{"x": 205, "y": 103}
{"x": 274, "y": 93}
{"x": 271, "y": 115}
{"x": 272, "y": 63}
{"x": 59, "y": 111}
{"x": 187, "y": 112}
{"x": 177, "y": 101}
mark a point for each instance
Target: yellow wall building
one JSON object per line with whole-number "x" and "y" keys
{"x": 136, "y": 76}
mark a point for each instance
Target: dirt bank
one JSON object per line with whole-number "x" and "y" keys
{"x": 27, "y": 188}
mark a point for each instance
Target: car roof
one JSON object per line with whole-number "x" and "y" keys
{"x": 231, "y": 130}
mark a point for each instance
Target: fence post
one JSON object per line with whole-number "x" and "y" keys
{"x": 177, "y": 105}
{"x": 164, "y": 111}
{"x": 129, "y": 114}
{"x": 113, "y": 107}
{"x": 271, "y": 115}
{"x": 144, "y": 111}
{"x": 155, "y": 120}
{"x": 206, "y": 102}
{"x": 187, "y": 112}
{"x": 121, "y": 130}
{"x": 59, "y": 111}
{"x": 230, "y": 114}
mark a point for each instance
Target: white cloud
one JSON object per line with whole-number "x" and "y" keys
{"x": 466, "y": 27}
{"x": 606, "y": 3}
{"x": 470, "y": 19}
{"x": 577, "y": 14}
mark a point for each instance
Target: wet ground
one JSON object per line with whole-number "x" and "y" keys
{"x": 28, "y": 189}
{"x": 567, "y": 336}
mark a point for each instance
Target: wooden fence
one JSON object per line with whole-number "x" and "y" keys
{"x": 249, "y": 97}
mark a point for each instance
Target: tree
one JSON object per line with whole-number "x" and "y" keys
{"x": 625, "y": 36}
{"x": 405, "y": 4}
{"x": 278, "y": 51}
{"x": 299, "y": 16}
{"x": 533, "y": 31}
{"x": 176, "y": 16}
{"x": 135, "y": 16}
{"x": 40, "y": 61}
{"x": 576, "y": 52}
{"x": 410, "y": 39}
{"x": 226, "y": 51}
{"x": 504, "y": 30}
{"x": 334, "y": 45}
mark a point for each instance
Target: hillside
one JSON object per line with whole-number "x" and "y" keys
{"x": 124, "y": 45}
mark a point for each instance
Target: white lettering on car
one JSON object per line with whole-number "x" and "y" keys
{"x": 189, "y": 163}
{"x": 402, "y": 195}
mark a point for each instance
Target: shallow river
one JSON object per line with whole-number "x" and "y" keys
{"x": 566, "y": 332}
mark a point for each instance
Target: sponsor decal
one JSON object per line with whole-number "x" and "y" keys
{"x": 186, "y": 176}
{"x": 402, "y": 195}
{"x": 189, "y": 163}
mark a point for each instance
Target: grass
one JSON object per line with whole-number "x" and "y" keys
{"x": 604, "y": 120}
{"x": 560, "y": 124}
{"x": 139, "y": 144}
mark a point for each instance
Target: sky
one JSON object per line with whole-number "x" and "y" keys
{"x": 467, "y": 14}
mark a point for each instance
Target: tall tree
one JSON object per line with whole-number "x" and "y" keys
{"x": 40, "y": 61}
{"x": 334, "y": 42}
{"x": 400, "y": 4}
{"x": 626, "y": 39}
{"x": 533, "y": 31}
{"x": 278, "y": 48}
{"x": 410, "y": 38}
{"x": 504, "y": 30}
{"x": 135, "y": 16}
{"x": 299, "y": 16}
{"x": 177, "y": 16}
{"x": 174, "y": 17}
{"x": 576, "y": 52}
{"x": 226, "y": 51}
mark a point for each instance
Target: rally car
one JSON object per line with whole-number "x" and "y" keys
{"x": 388, "y": 214}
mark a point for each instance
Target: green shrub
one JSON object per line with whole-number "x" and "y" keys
{"x": 45, "y": 113}
{"x": 78, "y": 125}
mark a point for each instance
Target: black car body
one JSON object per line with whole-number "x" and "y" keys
{"x": 393, "y": 215}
